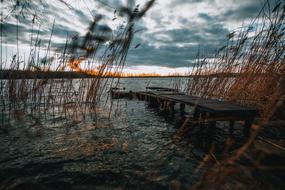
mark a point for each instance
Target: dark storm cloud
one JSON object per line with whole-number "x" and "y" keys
{"x": 10, "y": 32}
{"x": 110, "y": 3}
{"x": 179, "y": 2}
{"x": 181, "y": 46}
{"x": 210, "y": 34}
{"x": 244, "y": 12}
{"x": 63, "y": 31}
{"x": 164, "y": 56}
{"x": 82, "y": 16}
{"x": 171, "y": 54}
{"x": 171, "y": 37}
{"x": 13, "y": 32}
{"x": 10, "y": 28}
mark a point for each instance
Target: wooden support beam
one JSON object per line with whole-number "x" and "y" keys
{"x": 165, "y": 106}
{"x": 232, "y": 123}
{"x": 196, "y": 114}
{"x": 247, "y": 126}
{"x": 171, "y": 107}
{"x": 182, "y": 108}
{"x": 131, "y": 95}
{"x": 211, "y": 132}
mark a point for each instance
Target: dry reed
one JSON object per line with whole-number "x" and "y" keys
{"x": 250, "y": 68}
{"x": 97, "y": 54}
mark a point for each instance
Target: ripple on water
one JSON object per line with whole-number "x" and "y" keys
{"x": 133, "y": 149}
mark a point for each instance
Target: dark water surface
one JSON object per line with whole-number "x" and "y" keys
{"x": 131, "y": 150}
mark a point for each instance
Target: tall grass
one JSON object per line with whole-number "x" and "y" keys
{"x": 97, "y": 53}
{"x": 250, "y": 68}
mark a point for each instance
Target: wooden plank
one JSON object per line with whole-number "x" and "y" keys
{"x": 116, "y": 94}
{"x": 226, "y": 107}
{"x": 206, "y": 110}
{"x": 161, "y": 88}
{"x": 142, "y": 93}
{"x": 189, "y": 100}
{"x": 209, "y": 104}
{"x": 158, "y": 93}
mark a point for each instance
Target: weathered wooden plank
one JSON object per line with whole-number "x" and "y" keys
{"x": 206, "y": 110}
{"x": 209, "y": 104}
{"x": 161, "y": 88}
{"x": 158, "y": 93}
{"x": 121, "y": 94}
{"x": 204, "y": 105}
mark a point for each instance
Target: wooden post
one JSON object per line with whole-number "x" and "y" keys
{"x": 153, "y": 102}
{"x": 211, "y": 133}
{"x": 131, "y": 95}
{"x": 150, "y": 101}
{"x": 213, "y": 126}
{"x": 196, "y": 114}
{"x": 161, "y": 104}
{"x": 171, "y": 107}
{"x": 164, "y": 105}
{"x": 247, "y": 126}
{"x": 232, "y": 123}
{"x": 182, "y": 109}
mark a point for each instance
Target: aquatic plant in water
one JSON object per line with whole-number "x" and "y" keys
{"x": 99, "y": 53}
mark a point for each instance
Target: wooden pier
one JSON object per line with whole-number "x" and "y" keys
{"x": 204, "y": 110}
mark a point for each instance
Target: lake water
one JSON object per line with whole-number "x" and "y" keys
{"x": 131, "y": 149}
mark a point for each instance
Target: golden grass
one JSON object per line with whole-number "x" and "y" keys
{"x": 256, "y": 55}
{"x": 66, "y": 98}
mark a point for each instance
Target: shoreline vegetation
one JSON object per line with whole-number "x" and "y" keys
{"x": 22, "y": 74}
{"x": 99, "y": 44}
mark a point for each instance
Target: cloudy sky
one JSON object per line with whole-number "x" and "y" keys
{"x": 170, "y": 34}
